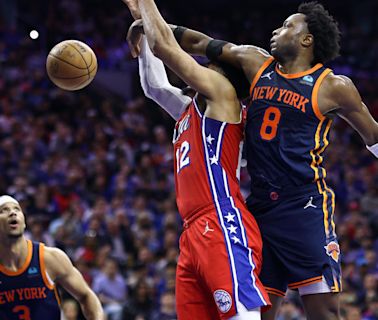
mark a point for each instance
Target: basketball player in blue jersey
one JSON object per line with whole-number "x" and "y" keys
{"x": 29, "y": 273}
{"x": 293, "y": 100}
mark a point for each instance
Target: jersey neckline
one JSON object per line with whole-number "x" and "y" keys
{"x": 298, "y": 74}
{"x": 24, "y": 266}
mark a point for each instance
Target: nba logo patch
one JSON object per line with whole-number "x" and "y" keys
{"x": 223, "y": 300}
{"x": 333, "y": 250}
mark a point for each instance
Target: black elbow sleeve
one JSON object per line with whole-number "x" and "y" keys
{"x": 178, "y": 33}
{"x": 214, "y": 49}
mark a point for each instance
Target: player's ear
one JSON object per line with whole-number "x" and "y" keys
{"x": 308, "y": 40}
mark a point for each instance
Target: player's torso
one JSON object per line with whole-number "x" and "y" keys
{"x": 207, "y": 157}
{"x": 28, "y": 294}
{"x": 286, "y": 133}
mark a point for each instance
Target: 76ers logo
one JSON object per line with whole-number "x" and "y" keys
{"x": 182, "y": 126}
{"x": 223, "y": 300}
{"x": 333, "y": 250}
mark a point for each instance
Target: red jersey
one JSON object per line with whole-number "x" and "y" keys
{"x": 207, "y": 161}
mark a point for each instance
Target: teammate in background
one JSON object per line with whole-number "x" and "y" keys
{"x": 220, "y": 247}
{"x": 293, "y": 100}
{"x": 29, "y": 272}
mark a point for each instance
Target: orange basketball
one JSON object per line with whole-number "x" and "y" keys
{"x": 71, "y": 65}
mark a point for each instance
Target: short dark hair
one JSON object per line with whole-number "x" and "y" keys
{"x": 325, "y": 30}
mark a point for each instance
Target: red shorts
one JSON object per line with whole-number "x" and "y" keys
{"x": 219, "y": 263}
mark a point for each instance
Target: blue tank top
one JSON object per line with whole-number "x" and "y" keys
{"x": 27, "y": 294}
{"x": 286, "y": 134}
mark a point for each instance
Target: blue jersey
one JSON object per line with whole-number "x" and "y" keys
{"x": 285, "y": 133}
{"x": 28, "y": 293}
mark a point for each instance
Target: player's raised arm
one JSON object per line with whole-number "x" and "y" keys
{"x": 350, "y": 107}
{"x": 153, "y": 76}
{"x": 247, "y": 57}
{"x": 60, "y": 268}
{"x": 164, "y": 46}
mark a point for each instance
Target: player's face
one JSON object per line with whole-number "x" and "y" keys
{"x": 287, "y": 40}
{"x": 12, "y": 221}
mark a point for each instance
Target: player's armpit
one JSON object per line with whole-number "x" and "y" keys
{"x": 351, "y": 108}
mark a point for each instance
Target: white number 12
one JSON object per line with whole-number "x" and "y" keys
{"x": 182, "y": 158}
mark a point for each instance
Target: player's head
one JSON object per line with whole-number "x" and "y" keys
{"x": 312, "y": 31}
{"x": 12, "y": 219}
{"x": 234, "y": 75}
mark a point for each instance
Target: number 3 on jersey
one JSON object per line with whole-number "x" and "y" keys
{"x": 23, "y": 312}
{"x": 270, "y": 123}
{"x": 182, "y": 157}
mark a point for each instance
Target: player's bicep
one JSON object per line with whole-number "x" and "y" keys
{"x": 66, "y": 274}
{"x": 354, "y": 111}
{"x": 362, "y": 121}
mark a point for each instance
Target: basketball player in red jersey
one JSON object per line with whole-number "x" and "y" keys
{"x": 293, "y": 100}
{"x": 217, "y": 273}
{"x": 29, "y": 272}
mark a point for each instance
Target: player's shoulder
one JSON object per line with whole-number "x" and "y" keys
{"x": 250, "y": 49}
{"x": 340, "y": 89}
{"x": 55, "y": 259}
{"x": 338, "y": 83}
{"x": 251, "y": 55}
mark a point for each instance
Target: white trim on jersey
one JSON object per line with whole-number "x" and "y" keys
{"x": 196, "y": 107}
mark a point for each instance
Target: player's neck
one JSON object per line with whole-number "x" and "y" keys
{"x": 13, "y": 253}
{"x": 294, "y": 66}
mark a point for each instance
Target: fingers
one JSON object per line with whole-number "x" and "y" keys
{"x": 134, "y": 8}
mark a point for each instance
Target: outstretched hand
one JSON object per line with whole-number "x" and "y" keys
{"x": 133, "y": 6}
{"x": 134, "y": 37}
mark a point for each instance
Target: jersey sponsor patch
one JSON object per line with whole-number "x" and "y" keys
{"x": 32, "y": 270}
{"x": 223, "y": 300}
{"x": 333, "y": 250}
{"x": 307, "y": 80}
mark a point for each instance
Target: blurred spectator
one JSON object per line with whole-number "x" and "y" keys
{"x": 70, "y": 310}
{"x": 141, "y": 304}
{"x": 167, "y": 310}
{"x": 111, "y": 289}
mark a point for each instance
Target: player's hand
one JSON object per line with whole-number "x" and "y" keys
{"x": 134, "y": 8}
{"x": 134, "y": 36}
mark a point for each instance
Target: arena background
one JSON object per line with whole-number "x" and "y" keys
{"x": 93, "y": 168}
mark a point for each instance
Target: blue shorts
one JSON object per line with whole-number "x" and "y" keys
{"x": 299, "y": 241}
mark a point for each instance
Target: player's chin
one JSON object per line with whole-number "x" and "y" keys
{"x": 15, "y": 234}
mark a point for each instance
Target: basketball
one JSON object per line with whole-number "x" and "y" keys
{"x": 71, "y": 65}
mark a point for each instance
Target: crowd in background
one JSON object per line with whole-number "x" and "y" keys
{"x": 93, "y": 172}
